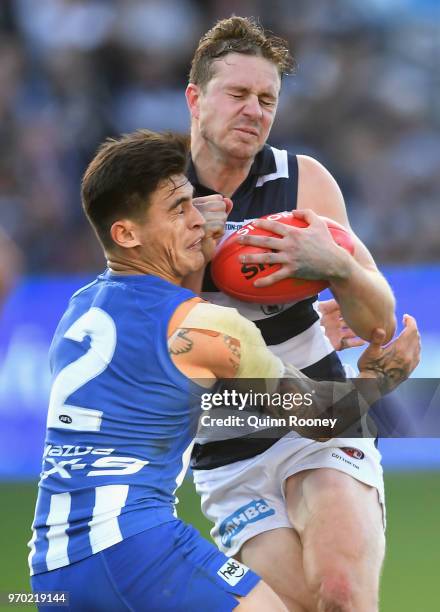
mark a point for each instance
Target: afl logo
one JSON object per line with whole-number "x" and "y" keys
{"x": 353, "y": 452}
{"x": 65, "y": 418}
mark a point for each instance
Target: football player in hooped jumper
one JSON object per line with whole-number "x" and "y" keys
{"x": 322, "y": 545}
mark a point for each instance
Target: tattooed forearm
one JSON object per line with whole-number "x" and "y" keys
{"x": 179, "y": 342}
{"x": 390, "y": 368}
{"x": 322, "y": 409}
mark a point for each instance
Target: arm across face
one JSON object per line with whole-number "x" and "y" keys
{"x": 215, "y": 210}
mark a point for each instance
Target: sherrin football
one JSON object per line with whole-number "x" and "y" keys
{"x": 237, "y": 279}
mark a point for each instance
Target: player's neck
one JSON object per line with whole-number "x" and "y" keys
{"x": 128, "y": 267}
{"x": 221, "y": 174}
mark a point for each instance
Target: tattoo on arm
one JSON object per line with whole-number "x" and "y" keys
{"x": 390, "y": 370}
{"x": 235, "y": 352}
{"x": 346, "y": 401}
{"x": 179, "y": 343}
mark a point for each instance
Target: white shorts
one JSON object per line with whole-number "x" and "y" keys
{"x": 247, "y": 497}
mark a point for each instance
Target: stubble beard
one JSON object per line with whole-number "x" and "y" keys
{"x": 231, "y": 148}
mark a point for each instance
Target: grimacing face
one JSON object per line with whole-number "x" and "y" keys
{"x": 237, "y": 108}
{"x": 172, "y": 231}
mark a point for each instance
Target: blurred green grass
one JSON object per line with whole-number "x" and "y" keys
{"x": 411, "y": 578}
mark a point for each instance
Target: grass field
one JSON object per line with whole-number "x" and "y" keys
{"x": 411, "y": 580}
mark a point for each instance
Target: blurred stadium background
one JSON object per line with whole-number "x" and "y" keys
{"x": 364, "y": 101}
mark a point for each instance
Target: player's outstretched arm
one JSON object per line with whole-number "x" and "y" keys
{"x": 213, "y": 342}
{"x": 381, "y": 370}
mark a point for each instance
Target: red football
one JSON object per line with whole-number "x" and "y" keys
{"x": 237, "y": 279}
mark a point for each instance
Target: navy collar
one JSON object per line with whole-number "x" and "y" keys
{"x": 264, "y": 163}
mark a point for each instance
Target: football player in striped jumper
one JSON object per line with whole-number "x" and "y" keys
{"x": 131, "y": 358}
{"x": 320, "y": 540}
{"x": 122, "y": 416}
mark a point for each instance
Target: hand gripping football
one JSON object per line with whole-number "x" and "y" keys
{"x": 237, "y": 279}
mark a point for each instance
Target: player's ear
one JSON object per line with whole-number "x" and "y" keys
{"x": 124, "y": 234}
{"x": 192, "y": 95}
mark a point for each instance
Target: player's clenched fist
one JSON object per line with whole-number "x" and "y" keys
{"x": 215, "y": 210}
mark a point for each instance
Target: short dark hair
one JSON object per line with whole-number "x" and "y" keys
{"x": 125, "y": 172}
{"x": 238, "y": 35}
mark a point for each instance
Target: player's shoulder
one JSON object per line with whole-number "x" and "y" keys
{"x": 319, "y": 191}
{"x": 312, "y": 169}
{"x": 81, "y": 290}
{"x": 116, "y": 299}
{"x": 222, "y": 319}
{"x": 315, "y": 176}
